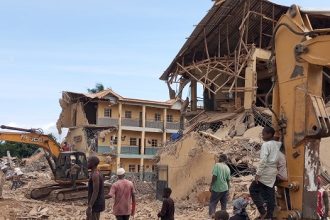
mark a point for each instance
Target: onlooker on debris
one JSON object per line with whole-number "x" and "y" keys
{"x": 96, "y": 200}
{"x": 2, "y": 180}
{"x": 124, "y": 194}
{"x": 167, "y": 212}
{"x": 219, "y": 185}
{"x": 15, "y": 181}
{"x": 221, "y": 215}
{"x": 262, "y": 188}
{"x": 322, "y": 200}
{"x": 282, "y": 174}
{"x": 65, "y": 147}
{"x": 239, "y": 206}
{"x": 74, "y": 171}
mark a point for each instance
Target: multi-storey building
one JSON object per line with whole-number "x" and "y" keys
{"x": 131, "y": 131}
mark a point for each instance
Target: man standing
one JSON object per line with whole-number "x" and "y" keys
{"x": 2, "y": 181}
{"x": 167, "y": 212}
{"x": 219, "y": 185}
{"x": 124, "y": 194}
{"x": 322, "y": 200}
{"x": 96, "y": 200}
{"x": 262, "y": 188}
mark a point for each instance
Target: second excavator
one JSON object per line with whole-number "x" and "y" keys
{"x": 59, "y": 162}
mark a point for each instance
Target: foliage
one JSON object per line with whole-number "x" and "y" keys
{"x": 17, "y": 149}
{"x": 98, "y": 88}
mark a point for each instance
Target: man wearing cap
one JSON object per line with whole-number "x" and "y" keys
{"x": 123, "y": 193}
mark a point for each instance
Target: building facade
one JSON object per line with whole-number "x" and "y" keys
{"x": 129, "y": 131}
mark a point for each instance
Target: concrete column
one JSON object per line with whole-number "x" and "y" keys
{"x": 250, "y": 81}
{"x": 165, "y": 123}
{"x": 143, "y": 133}
{"x": 119, "y": 134}
{"x": 193, "y": 89}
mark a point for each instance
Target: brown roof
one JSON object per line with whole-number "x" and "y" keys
{"x": 102, "y": 95}
{"x": 225, "y": 17}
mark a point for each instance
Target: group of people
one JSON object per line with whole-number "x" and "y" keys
{"x": 272, "y": 169}
{"x": 123, "y": 193}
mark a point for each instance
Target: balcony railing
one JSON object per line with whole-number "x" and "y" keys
{"x": 150, "y": 150}
{"x": 130, "y": 150}
{"x": 131, "y": 122}
{"x": 173, "y": 125}
{"x": 107, "y": 122}
{"x": 155, "y": 124}
{"x": 135, "y": 150}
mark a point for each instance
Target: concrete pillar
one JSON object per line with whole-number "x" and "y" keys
{"x": 119, "y": 134}
{"x": 143, "y": 133}
{"x": 165, "y": 123}
{"x": 193, "y": 89}
{"x": 250, "y": 82}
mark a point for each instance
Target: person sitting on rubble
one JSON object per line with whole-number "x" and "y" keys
{"x": 73, "y": 171}
{"x": 167, "y": 212}
{"x": 220, "y": 185}
{"x": 221, "y": 215}
{"x": 262, "y": 188}
{"x": 239, "y": 206}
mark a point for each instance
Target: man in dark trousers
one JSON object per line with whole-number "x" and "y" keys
{"x": 123, "y": 193}
{"x": 220, "y": 185}
{"x": 167, "y": 212}
{"x": 96, "y": 200}
{"x": 262, "y": 188}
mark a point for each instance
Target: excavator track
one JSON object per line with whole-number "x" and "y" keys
{"x": 58, "y": 192}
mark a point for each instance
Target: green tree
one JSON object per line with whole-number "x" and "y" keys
{"x": 98, "y": 88}
{"x": 19, "y": 150}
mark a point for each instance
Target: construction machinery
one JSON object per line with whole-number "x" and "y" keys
{"x": 299, "y": 57}
{"x": 59, "y": 162}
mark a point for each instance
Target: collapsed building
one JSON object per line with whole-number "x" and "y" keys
{"x": 121, "y": 131}
{"x": 227, "y": 55}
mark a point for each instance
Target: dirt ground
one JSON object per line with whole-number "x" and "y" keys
{"x": 15, "y": 205}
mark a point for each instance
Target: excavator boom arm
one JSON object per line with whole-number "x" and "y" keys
{"x": 41, "y": 140}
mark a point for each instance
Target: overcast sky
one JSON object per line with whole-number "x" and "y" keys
{"x": 48, "y": 46}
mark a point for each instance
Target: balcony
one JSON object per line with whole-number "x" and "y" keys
{"x": 173, "y": 125}
{"x": 155, "y": 124}
{"x": 131, "y": 122}
{"x": 107, "y": 122}
{"x": 130, "y": 150}
{"x": 151, "y": 150}
{"x": 134, "y": 151}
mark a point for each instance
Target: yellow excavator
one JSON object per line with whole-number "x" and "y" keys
{"x": 299, "y": 57}
{"x": 59, "y": 162}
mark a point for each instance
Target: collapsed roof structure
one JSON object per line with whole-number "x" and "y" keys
{"x": 228, "y": 52}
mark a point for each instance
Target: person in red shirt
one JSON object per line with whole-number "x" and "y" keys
{"x": 123, "y": 193}
{"x": 65, "y": 147}
{"x": 322, "y": 200}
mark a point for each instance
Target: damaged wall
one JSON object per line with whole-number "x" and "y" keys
{"x": 72, "y": 115}
{"x": 78, "y": 139}
{"x": 187, "y": 166}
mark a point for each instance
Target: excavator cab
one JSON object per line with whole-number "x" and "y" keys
{"x": 64, "y": 163}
